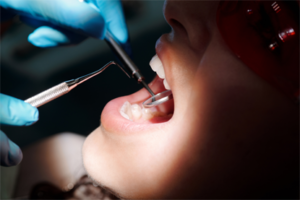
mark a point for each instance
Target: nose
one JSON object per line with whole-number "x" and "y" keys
{"x": 174, "y": 15}
{"x": 194, "y": 20}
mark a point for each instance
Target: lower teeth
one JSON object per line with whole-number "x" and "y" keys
{"x": 125, "y": 111}
{"x": 134, "y": 112}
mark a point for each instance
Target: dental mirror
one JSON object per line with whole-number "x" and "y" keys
{"x": 158, "y": 99}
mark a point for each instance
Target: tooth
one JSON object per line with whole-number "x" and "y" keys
{"x": 136, "y": 111}
{"x": 148, "y": 113}
{"x": 166, "y": 84}
{"x": 157, "y": 66}
{"x": 155, "y": 63}
{"x": 161, "y": 73}
{"x": 125, "y": 111}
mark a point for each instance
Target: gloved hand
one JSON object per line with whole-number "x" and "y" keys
{"x": 62, "y": 22}
{"x": 18, "y": 113}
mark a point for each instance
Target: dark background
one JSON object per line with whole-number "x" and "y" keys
{"x": 27, "y": 70}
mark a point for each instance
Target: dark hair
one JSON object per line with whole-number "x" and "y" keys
{"x": 83, "y": 189}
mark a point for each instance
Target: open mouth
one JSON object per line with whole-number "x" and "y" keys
{"x": 127, "y": 114}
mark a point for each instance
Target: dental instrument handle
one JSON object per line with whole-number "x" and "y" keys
{"x": 52, "y": 93}
{"x": 125, "y": 59}
{"x": 65, "y": 87}
{"x": 48, "y": 95}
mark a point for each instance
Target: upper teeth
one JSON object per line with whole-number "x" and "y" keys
{"x": 158, "y": 67}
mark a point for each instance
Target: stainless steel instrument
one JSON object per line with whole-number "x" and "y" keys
{"x": 127, "y": 62}
{"x": 65, "y": 87}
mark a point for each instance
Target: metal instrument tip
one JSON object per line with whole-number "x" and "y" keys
{"x": 147, "y": 87}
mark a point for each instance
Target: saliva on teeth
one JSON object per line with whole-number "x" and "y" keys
{"x": 135, "y": 112}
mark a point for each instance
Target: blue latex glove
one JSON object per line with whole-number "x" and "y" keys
{"x": 18, "y": 113}
{"x": 63, "y": 22}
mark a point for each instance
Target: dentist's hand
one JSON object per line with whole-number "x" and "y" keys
{"x": 62, "y": 22}
{"x": 18, "y": 113}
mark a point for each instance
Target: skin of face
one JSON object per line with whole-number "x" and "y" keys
{"x": 232, "y": 135}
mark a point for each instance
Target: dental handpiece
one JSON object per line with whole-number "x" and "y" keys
{"x": 65, "y": 87}
{"x": 127, "y": 62}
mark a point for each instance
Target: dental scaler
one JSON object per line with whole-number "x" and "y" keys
{"x": 65, "y": 87}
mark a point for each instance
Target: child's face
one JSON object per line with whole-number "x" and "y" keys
{"x": 229, "y": 130}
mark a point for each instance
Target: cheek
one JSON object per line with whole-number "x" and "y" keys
{"x": 233, "y": 115}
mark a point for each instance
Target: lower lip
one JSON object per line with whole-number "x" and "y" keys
{"x": 113, "y": 122}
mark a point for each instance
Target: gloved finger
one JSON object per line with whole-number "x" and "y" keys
{"x": 68, "y": 14}
{"x": 10, "y": 153}
{"x": 16, "y": 112}
{"x": 46, "y": 36}
{"x": 50, "y": 35}
{"x": 5, "y": 14}
{"x": 112, "y": 12}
